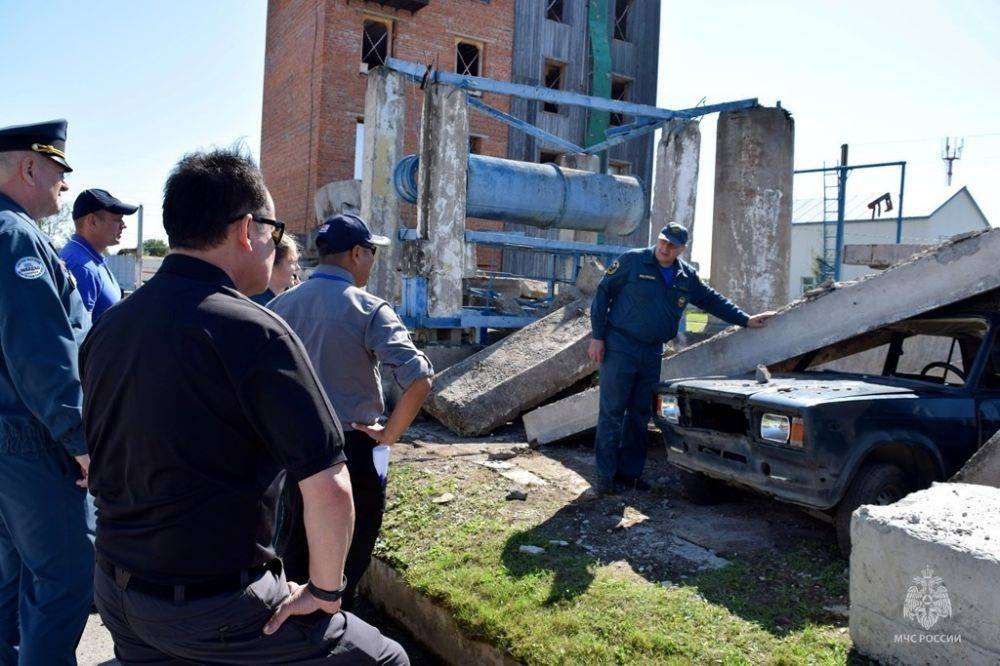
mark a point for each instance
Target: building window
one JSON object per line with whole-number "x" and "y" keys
{"x": 554, "y": 10}
{"x": 475, "y": 145}
{"x": 468, "y": 59}
{"x": 375, "y": 43}
{"x": 554, "y": 73}
{"x": 359, "y": 147}
{"x": 620, "y": 92}
{"x": 622, "y": 10}
{"x": 545, "y": 156}
{"x": 619, "y": 168}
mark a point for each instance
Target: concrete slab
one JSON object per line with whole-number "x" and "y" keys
{"x": 879, "y": 256}
{"x": 563, "y": 418}
{"x": 924, "y": 577}
{"x": 490, "y": 388}
{"x": 983, "y": 468}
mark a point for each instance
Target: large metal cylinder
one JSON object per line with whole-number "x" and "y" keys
{"x": 541, "y": 195}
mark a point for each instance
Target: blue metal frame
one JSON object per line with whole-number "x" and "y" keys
{"x": 649, "y": 118}
{"x": 842, "y": 172}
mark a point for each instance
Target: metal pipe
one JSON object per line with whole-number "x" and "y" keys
{"x": 541, "y": 195}
{"x": 899, "y": 210}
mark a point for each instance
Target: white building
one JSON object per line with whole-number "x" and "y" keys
{"x": 959, "y": 214}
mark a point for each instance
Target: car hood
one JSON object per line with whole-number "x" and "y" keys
{"x": 801, "y": 390}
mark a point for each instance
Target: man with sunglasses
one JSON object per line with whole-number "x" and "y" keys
{"x": 99, "y": 221}
{"x": 636, "y": 310}
{"x": 348, "y": 333}
{"x": 195, "y": 400}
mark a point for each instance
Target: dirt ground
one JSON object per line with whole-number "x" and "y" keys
{"x": 658, "y": 535}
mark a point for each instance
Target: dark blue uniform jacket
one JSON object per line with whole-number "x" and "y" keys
{"x": 42, "y": 323}
{"x": 634, "y": 300}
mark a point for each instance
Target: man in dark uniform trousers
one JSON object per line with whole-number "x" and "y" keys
{"x": 195, "y": 399}
{"x": 46, "y": 559}
{"x": 636, "y": 310}
{"x": 349, "y": 334}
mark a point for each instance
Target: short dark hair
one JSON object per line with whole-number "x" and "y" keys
{"x": 205, "y": 192}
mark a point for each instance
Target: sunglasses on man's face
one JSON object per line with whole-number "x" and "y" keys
{"x": 370, "y": 247}
{"x": 277, "y": 232}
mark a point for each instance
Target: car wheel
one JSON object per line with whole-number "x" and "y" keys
{"x": 875, "y": 483}
{"x": 700, "y": 489}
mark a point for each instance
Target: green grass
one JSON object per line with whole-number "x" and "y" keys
{"x": 564, "y": 607}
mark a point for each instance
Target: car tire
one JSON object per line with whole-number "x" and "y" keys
{"x": 700, "y": 489}
{"x": 875, "y": 483}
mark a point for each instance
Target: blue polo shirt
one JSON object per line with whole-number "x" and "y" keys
{"x": 97, "y": 285}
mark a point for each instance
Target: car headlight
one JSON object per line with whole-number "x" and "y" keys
{"x": 782, "y": 430}
{"x": 670, "y": 410}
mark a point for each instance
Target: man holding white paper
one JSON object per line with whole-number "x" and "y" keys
{"x": 348, "y": 334}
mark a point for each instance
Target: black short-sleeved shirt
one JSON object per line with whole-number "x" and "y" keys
{"x": 195, "y": 399}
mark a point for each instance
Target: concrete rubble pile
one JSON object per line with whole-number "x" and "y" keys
{"x": 983, "y": 468}
{"x": 924, "y": 576}
{"x": 947, "y": 273}
{"x": 495, "y": 385}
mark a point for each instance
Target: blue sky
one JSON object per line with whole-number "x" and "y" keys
{"x": 144, "y": 82}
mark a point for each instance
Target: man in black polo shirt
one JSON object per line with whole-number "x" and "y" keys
{"x": 194, "y": 399}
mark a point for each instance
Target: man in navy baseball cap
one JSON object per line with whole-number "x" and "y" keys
{"x": 98, "y": 217}
{"x": 345, "y": 231}
{"x": 675, "y": 234}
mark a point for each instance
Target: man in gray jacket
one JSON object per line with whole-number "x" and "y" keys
{"x": 348, "y": 333}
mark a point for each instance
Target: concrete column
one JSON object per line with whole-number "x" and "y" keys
{"x": 441, "y": 196}
{"x": 385, "y": 128}
{"x": 676, "y": 191}
{"x": 752, "y": 222}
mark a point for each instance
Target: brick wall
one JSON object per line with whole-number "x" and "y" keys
{"x": 314, "y": 90}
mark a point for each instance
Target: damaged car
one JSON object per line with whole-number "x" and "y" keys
{"x": 865, "y": 421}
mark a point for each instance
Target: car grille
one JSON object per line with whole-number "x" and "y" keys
{"x": 716, "y": 416}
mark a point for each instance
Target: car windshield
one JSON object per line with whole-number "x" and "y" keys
{"x": 936, "y": 350}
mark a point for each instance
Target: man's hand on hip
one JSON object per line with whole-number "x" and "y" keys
{"x": 596, "y": 351}
{"x": 298, "y": 602}
{"x": 760, "y": 320}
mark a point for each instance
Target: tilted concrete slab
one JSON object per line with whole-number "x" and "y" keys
{"x": 983, "y": 468}
{"x": 950, "y": 272}
{"x": 489, "y": 388}
{"x": 924, "y": 577}
{"x": 961, "y": 268}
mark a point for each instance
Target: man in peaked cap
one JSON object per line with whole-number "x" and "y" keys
{"x": 636, "y": 310}
{"x": 46, "y": 559}
{"x": 99, "y": 220}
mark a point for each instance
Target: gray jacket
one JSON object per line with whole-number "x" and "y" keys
{"x": 348, "y": 333}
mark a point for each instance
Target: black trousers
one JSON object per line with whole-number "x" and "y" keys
{"x": 369, "y": 505}
{"x": 227, "y": 629}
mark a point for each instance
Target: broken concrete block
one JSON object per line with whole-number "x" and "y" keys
{"x": 924, "y": 575}
{"x": 444, "y": 499}
{"x": 562, "y": 418}
{"x": 983, "y": 468}
{"x": 489, "y": 388}
{"x": 879, "y": 256}
{"x": 532, "y": 550}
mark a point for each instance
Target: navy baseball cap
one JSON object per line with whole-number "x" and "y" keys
{"x": 674, "y": 233}
{"x": 93, "y": 200}
{"x": 341, "y": 232}
{"x": 48, "y": 138}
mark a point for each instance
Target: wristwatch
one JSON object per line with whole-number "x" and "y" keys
{"x": 326, "y": 595}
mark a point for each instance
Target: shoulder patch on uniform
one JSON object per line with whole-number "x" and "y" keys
{"x": 613, "y": 268}
{"x": 29, "y": 268}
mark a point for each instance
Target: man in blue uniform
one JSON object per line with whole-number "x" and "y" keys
{"x": 46, "y": 559}
{"x": 636, "y": 310}
{"x": 99, "y": 220}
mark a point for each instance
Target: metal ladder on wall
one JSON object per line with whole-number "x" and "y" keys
{"x": 830, "y": 195}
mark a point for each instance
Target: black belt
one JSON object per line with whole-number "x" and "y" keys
{"x": 180, "y": 593}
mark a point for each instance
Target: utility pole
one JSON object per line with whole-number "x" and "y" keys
{"x": 841, "y": 205}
